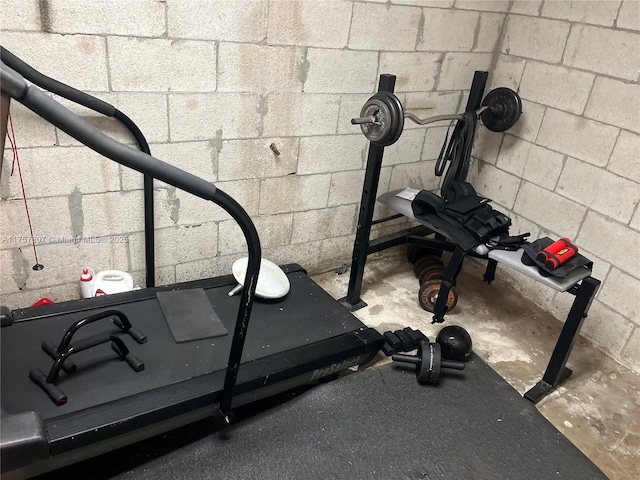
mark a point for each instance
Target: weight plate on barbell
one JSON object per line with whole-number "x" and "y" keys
{"x": 398, "y": 118}
{"x": 505, "y": 108}
{"x": 379, "y": 131}
{"x": 389, "y": 119}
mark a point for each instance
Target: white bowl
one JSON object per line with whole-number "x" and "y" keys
{"x": 272, "y": 281}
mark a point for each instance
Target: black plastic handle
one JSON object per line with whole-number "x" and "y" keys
{"x": 71, "y": 331}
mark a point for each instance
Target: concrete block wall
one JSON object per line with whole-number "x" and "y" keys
{"x": 571, "y": 166}
{"x": 213, "y": 83}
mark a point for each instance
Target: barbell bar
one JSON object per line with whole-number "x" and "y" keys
{"x": 382, "y": 116}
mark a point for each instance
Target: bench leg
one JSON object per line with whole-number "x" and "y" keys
{"x": 556, "y": 371}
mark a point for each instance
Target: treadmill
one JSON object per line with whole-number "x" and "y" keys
{"x": 66, "y": 396}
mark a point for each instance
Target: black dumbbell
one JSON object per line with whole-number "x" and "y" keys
{"x": 428, "y": 362}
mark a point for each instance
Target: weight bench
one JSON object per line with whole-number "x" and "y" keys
{"x": 380, "y": 122}
{"x": 578, "y": 282}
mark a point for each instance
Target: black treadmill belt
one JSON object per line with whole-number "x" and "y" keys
{"x": 375, "y": 424}
{"x": 190, "y": 315}
{"x": 307, "y": 315}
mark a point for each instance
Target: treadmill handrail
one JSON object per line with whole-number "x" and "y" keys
{"x": 14, "y": 85}
{"x": 54, "y": 86}
{"x": 97, "y": 105}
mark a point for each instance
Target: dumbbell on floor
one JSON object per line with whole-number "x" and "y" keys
{"x": 429, "y": 363}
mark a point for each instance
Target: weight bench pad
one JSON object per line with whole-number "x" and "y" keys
{"x": 400, "y": 200}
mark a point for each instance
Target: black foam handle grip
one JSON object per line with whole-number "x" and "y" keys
{"x": 452, "y": 364}
{"x": 134, "y": 362}
{"x": 58, "y": 397}
{"x": 406, "y": 359}
{"x": 137, "y": 335}
{"x": 123, "y": 352}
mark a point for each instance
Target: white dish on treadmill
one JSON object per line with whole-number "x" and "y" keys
{"x": 273, "y": 283}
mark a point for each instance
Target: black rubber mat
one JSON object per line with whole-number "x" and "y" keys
{"x": 374, "y": 424}
{"x": 190, "y": 315}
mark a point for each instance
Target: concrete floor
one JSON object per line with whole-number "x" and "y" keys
{"x": 597, "y": 408}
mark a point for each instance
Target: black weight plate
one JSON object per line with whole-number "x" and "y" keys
{"x": 505, "y": 108}
{"x": 380, "y": 132}
{"x": 424, "y": 262}
{"x": 398, "y": 119}
{"x": 412, "y": 253}
{"x": 431, "y": 273}
{"x": 415, "y": 252}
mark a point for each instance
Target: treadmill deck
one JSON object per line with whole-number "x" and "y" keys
{"x": 306, "y": 332}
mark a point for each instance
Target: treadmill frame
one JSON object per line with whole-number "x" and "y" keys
{"x": 149, "y": 413}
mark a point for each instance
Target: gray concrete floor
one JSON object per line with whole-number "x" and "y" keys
{"x": 597, "y": 408}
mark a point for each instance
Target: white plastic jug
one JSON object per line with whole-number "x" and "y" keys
{"x": 109, "y": 282}
{"x": 106, "y": 282}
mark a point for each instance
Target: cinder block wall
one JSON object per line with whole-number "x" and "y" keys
{"x": 213, "y": 83}
{"x": 571, "y": 167}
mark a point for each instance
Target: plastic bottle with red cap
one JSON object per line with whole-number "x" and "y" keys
{"x": 86, "y": 283}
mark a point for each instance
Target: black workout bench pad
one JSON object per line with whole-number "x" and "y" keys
{"x": 375, "y": 424}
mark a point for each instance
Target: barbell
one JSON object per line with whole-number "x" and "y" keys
{"x": 382, "y": 116}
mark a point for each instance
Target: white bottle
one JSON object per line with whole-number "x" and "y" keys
{"x": 86, "y": 283}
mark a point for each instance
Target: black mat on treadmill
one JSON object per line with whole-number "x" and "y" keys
{"x": 190, "y": 315}
{"x": 374, "y": 424}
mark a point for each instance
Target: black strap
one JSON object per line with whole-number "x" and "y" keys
{"x": 506, "y": 242}
{"x": 441, "y": 162}
{"x": 458, "y": 152}
{"x": 451, "y": 273}
{"x": 490, "y": 273}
